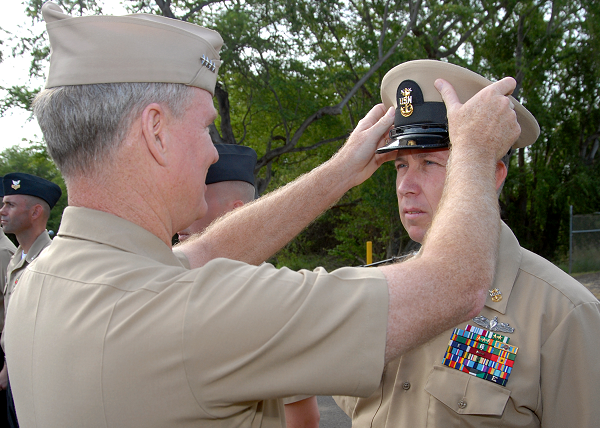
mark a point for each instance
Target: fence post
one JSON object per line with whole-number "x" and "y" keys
{"x": 369, "y": 252}
{"x": 570, "y": 237}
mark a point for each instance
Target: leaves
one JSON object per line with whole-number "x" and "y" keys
{"x": 297, "y": 75}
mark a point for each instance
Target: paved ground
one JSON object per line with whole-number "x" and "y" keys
{"x": 331, "y": 415}
{"x": 591, "y": 281}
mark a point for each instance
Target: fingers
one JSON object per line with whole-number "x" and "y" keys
{"x": 358, "y": 155}
{"x": 373, "y": 129}
{"x": 376, "y": 117}
{"x": 505, "y": 86}
{"x": 449, "y": 95}
{"x": 486, "y": 121}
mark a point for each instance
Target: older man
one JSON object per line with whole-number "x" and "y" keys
{"x": 108, "y": 328}
{"x": 527, "y": 359}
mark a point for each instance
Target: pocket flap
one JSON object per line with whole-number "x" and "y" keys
{"x": 466, "y": 394}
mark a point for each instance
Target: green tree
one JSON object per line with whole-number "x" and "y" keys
{"x": 297, "y": 75}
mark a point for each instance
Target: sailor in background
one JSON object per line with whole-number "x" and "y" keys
{"x": 26, "y": 207}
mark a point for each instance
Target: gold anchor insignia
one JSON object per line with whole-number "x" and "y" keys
{"x": 16, "y": 184}
{"x": 411, "y": 143}
{"x": 406, "y": 107}
{"x": 496, "y": 295}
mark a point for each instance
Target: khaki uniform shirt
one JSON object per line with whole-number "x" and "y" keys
{"x": 108, "y": 329}
{"x": 555, "y": 381}
{"x": 7, "y": 249}
{"x": 17, "y": 266}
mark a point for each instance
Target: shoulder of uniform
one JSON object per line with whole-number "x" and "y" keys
{"x": 550, "y": 274}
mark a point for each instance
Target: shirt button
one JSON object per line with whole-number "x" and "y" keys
{"x": 406, "y": 386}
{"x": 462, "y": 404}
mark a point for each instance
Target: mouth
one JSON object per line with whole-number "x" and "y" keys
{"x": 413, "y": 213}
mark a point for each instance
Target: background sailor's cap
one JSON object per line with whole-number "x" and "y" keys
{"x": 20, "y": 183}
{"x": 236, "y": 163}
{"x": 133, "y": 48}
{"x": 420, "y": 120}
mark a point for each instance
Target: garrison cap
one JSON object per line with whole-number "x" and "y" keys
{"x": 19, "y": 183}
{"x": 236, "y": 163}
{"x": 421, "y": 121}
{"x": 132, "y": 48}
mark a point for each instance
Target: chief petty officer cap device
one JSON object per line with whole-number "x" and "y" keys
{"x": 420, "y": 121}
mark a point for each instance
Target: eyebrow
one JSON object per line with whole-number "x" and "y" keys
{"x": 418, "y": 155}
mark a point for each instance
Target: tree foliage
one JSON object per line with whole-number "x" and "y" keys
{"x": 297, "y": 75}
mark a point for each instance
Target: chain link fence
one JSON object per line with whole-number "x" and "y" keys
{"x": 584, "y": 242}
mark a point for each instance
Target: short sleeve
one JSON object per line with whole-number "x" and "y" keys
{"x": 276, "y": 333}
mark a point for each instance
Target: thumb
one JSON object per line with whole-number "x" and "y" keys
{"x": 448, "y": 94}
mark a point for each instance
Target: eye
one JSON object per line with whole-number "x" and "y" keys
{"x": 400, "y": 165}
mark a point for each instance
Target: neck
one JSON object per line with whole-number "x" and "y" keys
{"x": 128, "y": 199}
{"x": 28, "y": 237}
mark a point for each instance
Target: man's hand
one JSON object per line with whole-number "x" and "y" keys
{"x": 256, "y": 231}
{"x": 357, "y": 156}
{"x": 487, "y": 121}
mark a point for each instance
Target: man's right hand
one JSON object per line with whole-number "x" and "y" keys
{"x": 487, "y": 121}
{"x": 357, "y": 160}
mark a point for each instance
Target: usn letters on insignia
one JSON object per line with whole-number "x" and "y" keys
{"x": 406, "y": 107}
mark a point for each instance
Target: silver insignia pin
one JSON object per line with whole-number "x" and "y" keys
{"x": 493, "y": 324}
{"x": 208, "y": 63}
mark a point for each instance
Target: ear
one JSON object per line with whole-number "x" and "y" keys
{"x": 154, "y": 123}
{"x": 36, "y": 211}
{"x": 237, "y": 204}
{"x": 501, "y": 173}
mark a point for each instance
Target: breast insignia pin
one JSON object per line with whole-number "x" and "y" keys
{"x": 493, "y": 324}
{"x": 496, "y": 295}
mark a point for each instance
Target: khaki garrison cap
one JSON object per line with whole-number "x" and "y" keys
{"x": 133, "y": 48}
{"x": 420, "y": 121}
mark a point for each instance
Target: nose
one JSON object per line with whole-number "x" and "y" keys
{"x": 407, "y": 182}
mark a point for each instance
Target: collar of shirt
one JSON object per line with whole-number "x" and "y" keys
{"x": 108, "y": 229}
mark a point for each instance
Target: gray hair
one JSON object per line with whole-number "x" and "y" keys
{"x": 84, "y": 125}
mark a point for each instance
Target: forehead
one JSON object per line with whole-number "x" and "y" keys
{"x": 203, "y": 101}
{"x": 15, "y": 199}
{"x": 423, "y": 153}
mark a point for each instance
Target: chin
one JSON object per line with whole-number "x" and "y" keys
{"x": 416, "y": 234}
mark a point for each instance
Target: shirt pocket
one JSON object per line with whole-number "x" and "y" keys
{"x": 463, "y": 398}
